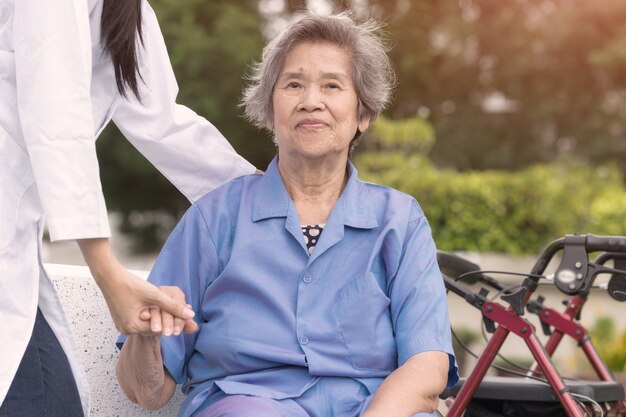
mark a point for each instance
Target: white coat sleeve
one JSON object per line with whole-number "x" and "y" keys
{"x": 52, "y": 45}
{"x": 184, "y": 147}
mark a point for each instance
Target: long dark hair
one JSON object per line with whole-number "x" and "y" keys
{"x": 120, "y": 28}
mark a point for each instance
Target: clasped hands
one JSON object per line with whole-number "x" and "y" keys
{"x": 165, "y": 323}
{"x": 136, "y": 306}
{"x": 139, "y": 307}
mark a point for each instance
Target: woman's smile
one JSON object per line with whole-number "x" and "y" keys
{"x": 311, "y": 124}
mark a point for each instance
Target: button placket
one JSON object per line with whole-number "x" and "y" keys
{"x": 302, "y": 312}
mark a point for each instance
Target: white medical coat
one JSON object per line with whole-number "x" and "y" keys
{"x": 57, "y": 93}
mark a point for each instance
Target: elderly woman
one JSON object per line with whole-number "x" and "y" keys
{"x": 317, "y": 294}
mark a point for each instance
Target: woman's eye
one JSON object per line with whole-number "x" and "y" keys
{"x": 332, "y": 86}
{"x": 293, "y": 84}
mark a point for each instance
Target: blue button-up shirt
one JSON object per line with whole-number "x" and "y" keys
{"x": 273, "y": 318}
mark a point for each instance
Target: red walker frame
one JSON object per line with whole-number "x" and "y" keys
{"x": 509, "y": 320}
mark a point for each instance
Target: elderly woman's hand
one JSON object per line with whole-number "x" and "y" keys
{"x": 164, "y": 322}
{"x": 130, "y": 297}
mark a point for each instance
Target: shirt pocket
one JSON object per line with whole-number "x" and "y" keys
{"x": 364, "y": 318}
{"x": 16, "y": 178}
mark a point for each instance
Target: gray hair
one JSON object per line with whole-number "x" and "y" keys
{"x": 372, "y": 72}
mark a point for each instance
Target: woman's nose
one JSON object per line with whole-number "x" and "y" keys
{"x": 311, "y": 100}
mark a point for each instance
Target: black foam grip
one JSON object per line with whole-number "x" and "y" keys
{"x": 605, "y": 243}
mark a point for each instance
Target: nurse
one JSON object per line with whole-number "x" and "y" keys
{"x": 318, "y": 294}
{"x": 67, "y": 68}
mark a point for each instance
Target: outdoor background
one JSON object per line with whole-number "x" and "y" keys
{"x": 508, "y": 123}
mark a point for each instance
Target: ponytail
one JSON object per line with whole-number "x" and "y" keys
{"x": 119, "y": 29}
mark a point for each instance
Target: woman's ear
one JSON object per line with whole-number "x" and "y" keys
{"x": 364, "y": 123}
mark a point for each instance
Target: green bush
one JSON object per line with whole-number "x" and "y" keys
{"x": 607, "y": 214}
{"x": 413, "y": 134}
{"x": 610, "y": 344}
{"x": 498, "y": 211}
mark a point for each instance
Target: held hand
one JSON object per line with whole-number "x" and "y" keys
{"x": 127, "y": 295}
{"x": 164, "y": 322}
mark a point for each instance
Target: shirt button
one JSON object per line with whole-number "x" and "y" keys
{"x": 304, "y": 340}
{"x": 307, "y": 279}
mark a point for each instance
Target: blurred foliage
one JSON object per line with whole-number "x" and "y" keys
{"x": 211, "y": 46}
{"x": 409, "y": 135}
{"x": 503, "y": 85}
{"x": 511, "y": 83}
{"x": 495, "y": 210}
{"x": 610, "y": 343}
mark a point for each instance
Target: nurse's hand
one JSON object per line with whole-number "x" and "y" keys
{"x": 127, "y": 295}
{"x": 164, "y": 322}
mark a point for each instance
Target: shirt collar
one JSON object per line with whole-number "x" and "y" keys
{"x": 272, "y": 199}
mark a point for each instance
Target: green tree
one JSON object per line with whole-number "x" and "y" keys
{"x": 211, "y": 46}
{"x": 561, "y": 65}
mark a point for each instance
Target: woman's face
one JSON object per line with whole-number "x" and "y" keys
{"x": 315, "y": 103}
